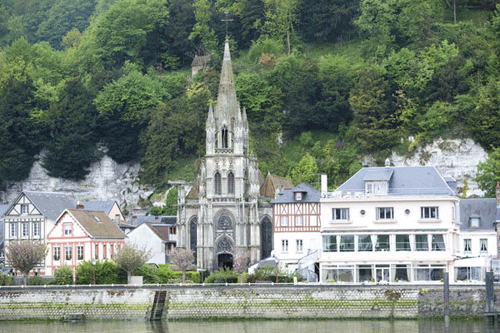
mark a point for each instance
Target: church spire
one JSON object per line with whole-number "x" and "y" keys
{"x": 227, "y": 103}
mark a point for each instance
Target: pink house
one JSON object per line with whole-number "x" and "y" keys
{"x": 81, "y": 235}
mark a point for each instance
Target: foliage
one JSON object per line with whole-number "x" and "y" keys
{"x": 241, "y": 260}
{"x": 63, "y": 275}
{"x": 268, "y": 274}
{"x": 488, "y": 173}
{"x": 106, "y": 272}
{"x": 25, "y": 255}
{"x": 37, "y": 280}
{"x": 306, "y": 171}
{"x": 130, "y": 257}
{"x": 182, "y": 260}
{"x": 147, "y": 272}
{"x": 166, "y": 274}
{"x": 5, "y": 279}
{"x": 170, "y": 207}
{"x": 222, "y": 276}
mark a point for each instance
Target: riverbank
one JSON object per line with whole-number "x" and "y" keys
{"x": 263, "y": 301}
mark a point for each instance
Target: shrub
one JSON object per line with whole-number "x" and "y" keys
{"x": 5, "y": 280}
{"x": 36, "y": 280}
{"x": 63, "y": 275}
{"x": 106, "y": 272}
{"x": 222, "y": 276}
{"x": 148, "y": 274}
{"x": 166, "y": 274}
{"x": 267, "y": 274}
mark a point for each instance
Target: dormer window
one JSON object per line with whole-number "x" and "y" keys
{"x": 474, "y": 221}
{"x": 298, "y": 196}
{"x": 376, "y": 187}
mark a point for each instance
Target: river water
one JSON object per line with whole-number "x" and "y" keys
{"x": 252, "y": 326}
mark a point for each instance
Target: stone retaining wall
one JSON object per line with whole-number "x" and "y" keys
{"x": 240, "y": 301}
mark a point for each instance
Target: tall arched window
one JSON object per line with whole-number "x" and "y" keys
{"x": 266, "y": 237}
{"x": 230, "y": 183}
{"x": 193, "y": 234}
{"x": 217, "y": 183}
{"x": 224, "y": 137}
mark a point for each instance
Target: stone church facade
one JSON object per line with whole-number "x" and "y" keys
{"x": 224, "y": 212}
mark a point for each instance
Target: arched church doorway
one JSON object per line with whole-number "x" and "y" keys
{"x": 225, "y": 260}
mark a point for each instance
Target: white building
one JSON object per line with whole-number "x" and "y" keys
{"x": 478, "y": 239}
{"x": 389, "y": 224}
{"x": 158, "y": 238}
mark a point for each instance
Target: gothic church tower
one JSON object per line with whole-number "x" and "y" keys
{"x": 220, "y": 214}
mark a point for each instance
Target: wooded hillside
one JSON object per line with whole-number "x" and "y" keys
{"x": 323, "y": 81}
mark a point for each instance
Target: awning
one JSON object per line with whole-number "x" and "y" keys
{"x": 472, "y": 262}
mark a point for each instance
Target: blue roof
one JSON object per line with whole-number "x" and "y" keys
{"x": 309, "y": 194}
{"x": 101, "y": 206}
{"x": 51, "y": 205}
{"x": 420, "y": 180}
{"x": 484, "y": 208}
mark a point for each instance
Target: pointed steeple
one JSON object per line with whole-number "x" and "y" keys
{"x": 210, "y": 118}
{"x": 227, "y": 103}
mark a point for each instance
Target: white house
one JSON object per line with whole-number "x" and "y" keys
{"x": 389, "y": 224}
{"x": 478, "y": 239}
{"x": 297, "y": 223}
{"x": 158, "y": 237}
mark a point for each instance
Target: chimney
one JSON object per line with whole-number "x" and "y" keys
{"x": 324, "y": 184}
{"x": 497, "y": 191}
{"x": 79, "y": 205}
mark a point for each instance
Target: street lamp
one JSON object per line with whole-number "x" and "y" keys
{"x": 93, "y": 269}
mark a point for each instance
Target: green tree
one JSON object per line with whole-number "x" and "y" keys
{"x": 105, "y": 272}
{"x": 281, "y": 16}
{"x": 202, "y": 29}
{"x": 488, "y": 173}
{"x": 24, "y": 255}
{"x": 130, "y": 257}
{"x": 306, "y": 171}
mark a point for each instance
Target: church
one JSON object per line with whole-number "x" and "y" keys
{"x": 226, "y": 210}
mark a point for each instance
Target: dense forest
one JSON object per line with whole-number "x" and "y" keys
{"x": 323, "y": 82}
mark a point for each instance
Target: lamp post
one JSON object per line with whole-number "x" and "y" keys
{"x": 93, "y": 269}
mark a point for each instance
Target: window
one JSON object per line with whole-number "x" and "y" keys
{"x": 298, "y": 196}
{"x": 284, "y": 221}
{"x": 346, "y": 243}
{"x": 376, "y": 187}
{"x": 340, "y": 214}
{"x": 483, "y": 245}
{"x": 96, "y": 253}
{"x": 24, "y": 209}
{"x": 218, "y": 186}
{"x": 67, "y": 251}
{"x": 438, "y": 243}
{"x": 365, "y": 243}
{"x": 57, "y": 253}
{"x": 403, "y": 243}
{"x": 36, "y": 229}
{"x": 299, "y": 245}
{"x": 429, "y": 272}
{"x": 79, "y": 252}
{"x": 67, "y": 229}
{"x": 26, "y": 229}
{"x": 298, "y": 221}
{"x": 230, "y": 183}
{"x": 467, "y": 246}
{"x": 421, "y": 243}
{"x": 13, "y": 230}
{"x": 383, "y": 243}
{"x": 474, "y": 221}
{"x": 329, "y": 243}
{"x": 224, "y": 137}
{"x": 385, "y": 213}
{"x": 429, "y": 213}
{"x": 284, "y": 245}
{"x": 104, "y": 252}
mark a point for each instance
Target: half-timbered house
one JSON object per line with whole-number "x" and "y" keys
{"x": 297, "y": 226}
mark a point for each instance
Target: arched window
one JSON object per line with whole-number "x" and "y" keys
{"x": 224, "y": 137}
{"x": 193, "y": 234}
{"x": 217, "y": 181}
{"x": 266, "y": 237}
{"x": 230, "y": 183}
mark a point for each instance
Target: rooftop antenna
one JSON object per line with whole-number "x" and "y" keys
{"x": 226, "y": 20}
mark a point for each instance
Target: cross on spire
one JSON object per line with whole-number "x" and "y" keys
{"x": 226, "y": 20}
